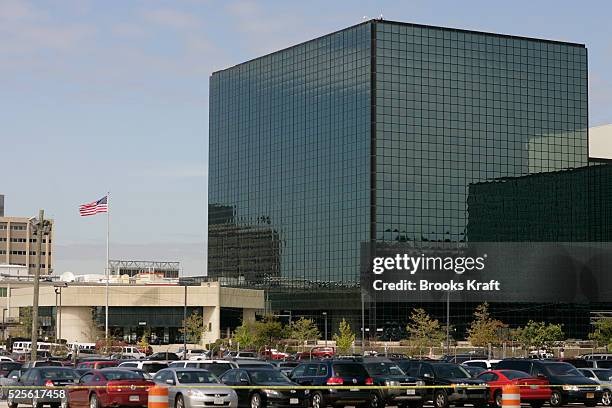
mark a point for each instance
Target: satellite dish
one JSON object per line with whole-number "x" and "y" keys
{"x": 67, "y": 277}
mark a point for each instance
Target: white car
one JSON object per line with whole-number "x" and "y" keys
{"x": 132, "y": 352}
{"x": 149, "y": 367}
{"x": 217, "y": 367}
{"x": 487, "y": 364}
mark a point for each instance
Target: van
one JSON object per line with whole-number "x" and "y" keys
{"x": 133, "y": 352}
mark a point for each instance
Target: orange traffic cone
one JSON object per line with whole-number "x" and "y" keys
{"x": 511, "y": 396}
{"x": 158, "y": 397}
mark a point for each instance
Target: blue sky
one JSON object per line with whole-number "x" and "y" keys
{"x": 113, "y": 95}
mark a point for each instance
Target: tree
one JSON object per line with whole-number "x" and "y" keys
{"x": 603, "y": 332}
{"x": 25, "y": 322}
{"x": 424, "y": 332}
{"x": 303, "y": 330}
{"x": 344, "y": 338}
{"x": 539, "y": 335}
{"x": 143, "y": 343}
{"x": 244, "y": 335}
{"x": 484, "y": 329}
{"x": 268, "y": 332}
{"x": 194, "y": 327}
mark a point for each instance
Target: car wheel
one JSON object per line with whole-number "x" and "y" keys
{"x": 497, "y": 399}
{"x": 179, "y": 402}
{"x": 440, "y": 399}
{"x": 93, "y": 401}
{"x": 376, "y": 401}
{"x": 256, "y": 401}
{"x": 556, "y": 399}
{"x": 317, "y": 400}
{"x": 606, "y": 398}
{"x": 11, "y": 403}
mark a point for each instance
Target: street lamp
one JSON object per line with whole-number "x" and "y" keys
{"x": 58, "y": 310}
{"x": 184, "y": 282}
{"x": 325, "y": 314}
{"x": 40, "y": 227}
{"x": 4, "y": 324}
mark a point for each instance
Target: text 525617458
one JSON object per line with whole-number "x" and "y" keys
{"x": 42, "y": 395}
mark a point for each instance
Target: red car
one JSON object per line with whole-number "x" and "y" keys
{"x": 318, "y": 352}
{"x": 117, "y": 387}
{"x": 534, "y": 391}
{"x": 97, "y": 365}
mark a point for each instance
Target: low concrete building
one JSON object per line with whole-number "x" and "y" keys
{"x": 156, "y": 309}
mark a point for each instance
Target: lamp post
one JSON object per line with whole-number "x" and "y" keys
{"x": 325, "y": 314}
{"x": 58, "y": 309}
{"x": 184, "y": 282}
{"x": 40, "y": 227}
{"x": 4, "y": 324}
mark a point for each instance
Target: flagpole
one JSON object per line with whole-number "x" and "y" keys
{"x": 107, "y": 269}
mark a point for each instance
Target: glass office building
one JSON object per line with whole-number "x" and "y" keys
{"x": 373, "y": 134}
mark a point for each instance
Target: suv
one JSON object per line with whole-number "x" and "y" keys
{"x": 452, "y": 384}
{"x": 569, "y": 384}
{"x": 334, "y": 373}
{"x": 384, "y": 372}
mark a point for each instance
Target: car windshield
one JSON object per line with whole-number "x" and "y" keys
{"x": 268, "y": 376}
{"x": 562, "y": 369}
{"x": 450, "y": 371}
{"x": 513, "y": 375}
{"x": 216, "y": 368}
{"x": 196, "y": 377}
{"x": 604, "y": 375}
{"x": 123, "y": 375}
{"x": 57, "y": 374}
{"x": 384, "y": 369}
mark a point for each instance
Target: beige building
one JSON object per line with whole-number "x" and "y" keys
{"x": 18, "y": 245}
{"x": 156, "y": 309}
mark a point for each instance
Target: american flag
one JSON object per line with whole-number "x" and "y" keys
{"x": 100, "y": 206}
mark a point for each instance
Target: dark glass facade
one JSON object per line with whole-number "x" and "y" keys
{"x": 374, "y": 133}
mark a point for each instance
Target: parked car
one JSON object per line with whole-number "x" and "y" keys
{"x": 274, "y": 354}
{"x": 461, "y": 358}
{"x": 260, "y": 397}
{"x": 474, "y": 371}
{"x": 96, "y": 365}
{"x": 600, "y": 356}
{"x": 463, "y": 388}
{"x": 251, "y": 363}
{"x": 109, "y": 387}
{"x": 180, "y": 394}
{"x": 193, "y": 353}
{"x": 285, "y": 367}
{"x": 4, "y": 358}
{"x": 147, "y": 351}
{"x": 570, "y": 384}
{"x": 334, "y": 372}
{"x": 384, "y": 372}
{"x": 8, "y": 380}
{"x": 41, "y": 363}
{"x": 601, "y": 376}
{"x": 163, "y": 356}
{"x": 579, "y": 362}
{"x": 534, "y": 391}
{"x": 217, "y": 367}
{"x": 8, "y": 366}
{"x": 486, "y": 364}
{"x": 150, "y": 367}
{"x": 317, "y": 352}
{"x": 46, "y": 376}
{"x": 243, "y": 355}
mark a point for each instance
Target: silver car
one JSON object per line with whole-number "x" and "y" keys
{"x": 195, "y": 388}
